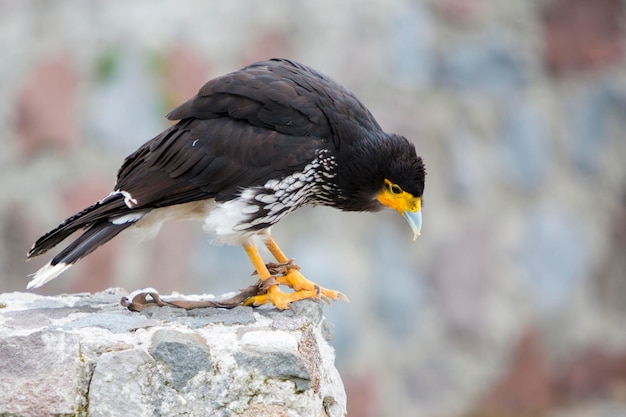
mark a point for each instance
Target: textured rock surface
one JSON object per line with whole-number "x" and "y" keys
{"x": 86, "y": 355}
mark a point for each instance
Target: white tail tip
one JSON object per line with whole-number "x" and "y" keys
{"x": 47, "y": 273}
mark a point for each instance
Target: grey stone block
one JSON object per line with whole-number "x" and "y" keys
{"x": 74, "y": 357}
{"x": 183, "y": 356}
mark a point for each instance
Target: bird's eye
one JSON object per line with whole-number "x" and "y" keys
{"x": 395, "y": 188}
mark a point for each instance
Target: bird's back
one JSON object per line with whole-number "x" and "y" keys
{"x": 265, "y": 121}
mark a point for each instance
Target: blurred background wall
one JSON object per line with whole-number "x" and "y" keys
{"x": 513, "y": 301}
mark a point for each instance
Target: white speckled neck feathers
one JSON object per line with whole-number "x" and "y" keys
{"x": 260, "y": 207}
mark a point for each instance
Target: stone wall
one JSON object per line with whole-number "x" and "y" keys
{"x": 512, "y": 300}
{"x": 86, "y": 355}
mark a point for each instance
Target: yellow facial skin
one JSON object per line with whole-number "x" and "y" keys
{"x": 393, "y": 196}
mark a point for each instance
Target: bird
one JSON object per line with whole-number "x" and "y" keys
{"x": 249, "y": 148}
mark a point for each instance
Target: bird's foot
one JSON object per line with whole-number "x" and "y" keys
{"x": 303, "y": 289}
{"x": 294, "y": 280}
{"x": 279, "y": 298}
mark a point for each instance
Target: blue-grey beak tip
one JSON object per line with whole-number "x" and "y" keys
{"x": 415, "y": 221}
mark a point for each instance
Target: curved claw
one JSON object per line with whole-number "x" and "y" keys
{"x": 325, "y": 299}
{"x": 333, "y": 295}
{"x": 343, "y": 297}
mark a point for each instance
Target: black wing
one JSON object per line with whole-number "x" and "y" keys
{"x": 262, "y": 122}
{"x": 215, "y": 158}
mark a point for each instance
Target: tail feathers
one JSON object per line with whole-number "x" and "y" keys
{"x": 110, "y": 206}
{"x": 47, "y": 273}
{"x": 94, "y": 237}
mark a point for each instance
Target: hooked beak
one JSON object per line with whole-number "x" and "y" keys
{"x": 404, "y": 203}
{"x": 414, "y": 218}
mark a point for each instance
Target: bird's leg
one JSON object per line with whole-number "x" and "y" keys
{"x": 278, "y": 254}
{"x": 295, "y": 280}
{"x": 264, "y": 275}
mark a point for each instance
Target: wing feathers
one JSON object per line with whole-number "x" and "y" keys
{"x": 283, "y": 96}
{"x": 215, "y": 158}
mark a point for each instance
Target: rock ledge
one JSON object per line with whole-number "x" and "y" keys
{"x": 86, "y": 355}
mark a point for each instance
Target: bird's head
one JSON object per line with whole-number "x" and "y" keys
{"x": 403, "y": 183}
{"x": 381, "y": 171}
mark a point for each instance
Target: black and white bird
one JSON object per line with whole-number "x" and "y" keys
{"x": 251, "y": 147}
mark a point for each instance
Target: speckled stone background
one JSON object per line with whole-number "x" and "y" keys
{"x": 512, "y": 301}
